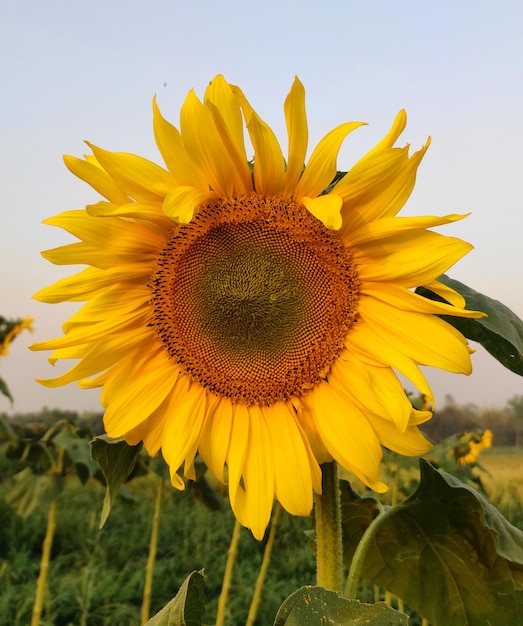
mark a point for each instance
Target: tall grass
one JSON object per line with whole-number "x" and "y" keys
{"x": 96, "y": 577}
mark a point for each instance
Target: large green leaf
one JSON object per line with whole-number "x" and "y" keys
{"x": 186, "y": 608}
{"x": 78, "y": 451}
{"x": 501, "y": 333}
{"x": 27, "y": 491}
{"x": 316, "y": 606}
{"x": 116, "y": 459}
{"x": 450, "y": 555}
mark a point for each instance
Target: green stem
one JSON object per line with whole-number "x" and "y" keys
{"x": 263, "y": 569}
{"x": 231, "y": 557}
{"x": 44, "y": 564}
{"x": 153, "y": 547}
{"x": 358, "y": 560}
{"x": 327, "y": 511}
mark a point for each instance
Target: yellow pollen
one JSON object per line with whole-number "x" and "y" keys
{"x": 253, "y": 298}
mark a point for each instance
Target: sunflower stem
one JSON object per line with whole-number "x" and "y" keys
{"x": 231, "y": 558}
{"x": 153, "y": 548}
{"x": 327, "y": 511}
{"x": 44, "y": 564}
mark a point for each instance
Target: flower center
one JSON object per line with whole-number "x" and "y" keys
{"x": 253, "y": 298}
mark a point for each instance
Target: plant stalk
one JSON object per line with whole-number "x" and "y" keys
{"x": 358, "y": 560}
{"x": 327, "y": 510}
{"x": 151, "y": 558}
{"x": 253, "y": 609}
{"x": 227, "y": 576}
{"x": 44, "y": 564}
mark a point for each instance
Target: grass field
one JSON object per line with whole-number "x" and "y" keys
{"x": 96, "y": 576}
{"x": 504, "y": 481}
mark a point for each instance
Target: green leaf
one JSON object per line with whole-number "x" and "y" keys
{"x": 78, "y": 450}
{"x": 4, "y": 390}
{"x": 501, "y": 333}
{"x": 450, "y": 555}
{"x": 186, "y": 608}
{"x": 316, "y": 606}
{"x": 116, "y": 459}
{"x": 27, "y": 491}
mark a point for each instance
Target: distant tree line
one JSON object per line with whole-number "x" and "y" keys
{"x": 34, "y": 424}
{"x": 506, "y": 423}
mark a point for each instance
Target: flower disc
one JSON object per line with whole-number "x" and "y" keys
{"x": 253, "y": 298}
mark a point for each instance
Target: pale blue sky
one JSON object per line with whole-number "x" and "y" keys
{"x": 75, "y": 70}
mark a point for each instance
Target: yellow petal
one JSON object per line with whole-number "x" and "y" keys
{"x": 86, "y": 254}
{"x": 427, "y": 339}
{"x": 72, "y": 352}
{"x": 292, "y": 467}
{"x": 365, "y": 342}
{"x": 104, "y": 354}
{"x": 225, "y": 108}
{"x": 115, "y": 300}
{"x": 140, "y": 391}
{"x": 419, "y": 417}
{"x": 410, "y": 442}
{"x": 222, "y": 96}
{"x": 171, "y": 147}
{"x": 139, "y": 211}
{"x": 450, "y": 295}
{"x": 371, "y": 175}
{"x": 374, "y": 390}
{"x": 151, "y": 431}
{"x": 216, "y": 435}
{"x": 183, "y": 428}
{"x": 298, "y": 134}
{"x": 181, "y": 203}
{"x": 258, "y": 474}
{"x": 115, "y": 232}
{"x": 236, "y": 460}
{"x": 80, "y": 286}
{"x": 398, "y": 126}
{"x": 269, "y": 164}
{"x": 321, "y": 167}
{"x": 391, "y": 226}
{"x": 409, "y": 259}
{"x": 347, "y": 434}
{"x": 99, "y": 180}
{"x": 92, "y": 332}
{"x": 408, "y": 301}
{"x": 387, "y": 196}
{"x": 325, "y": 208}
{"x": 205, "y": 146}
{"x": 207, "y": 410}
{"x": 139, "y": 178}
{"x": 307, "y": 425}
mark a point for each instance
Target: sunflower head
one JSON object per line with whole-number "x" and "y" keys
{"x": 469, "y": 446}
{"x": 10, "y": 329}
{"x": 255, "y": 308}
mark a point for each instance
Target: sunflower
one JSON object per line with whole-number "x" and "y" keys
{"x": 467, "y": 450}
{"x": 256, "y": 311}
{"x": 10, "y": 329}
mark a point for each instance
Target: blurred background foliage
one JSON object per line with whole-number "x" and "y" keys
{"x": 96, "y": 577}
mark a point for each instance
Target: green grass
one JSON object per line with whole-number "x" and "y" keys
{"x": 96, "y": 576}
